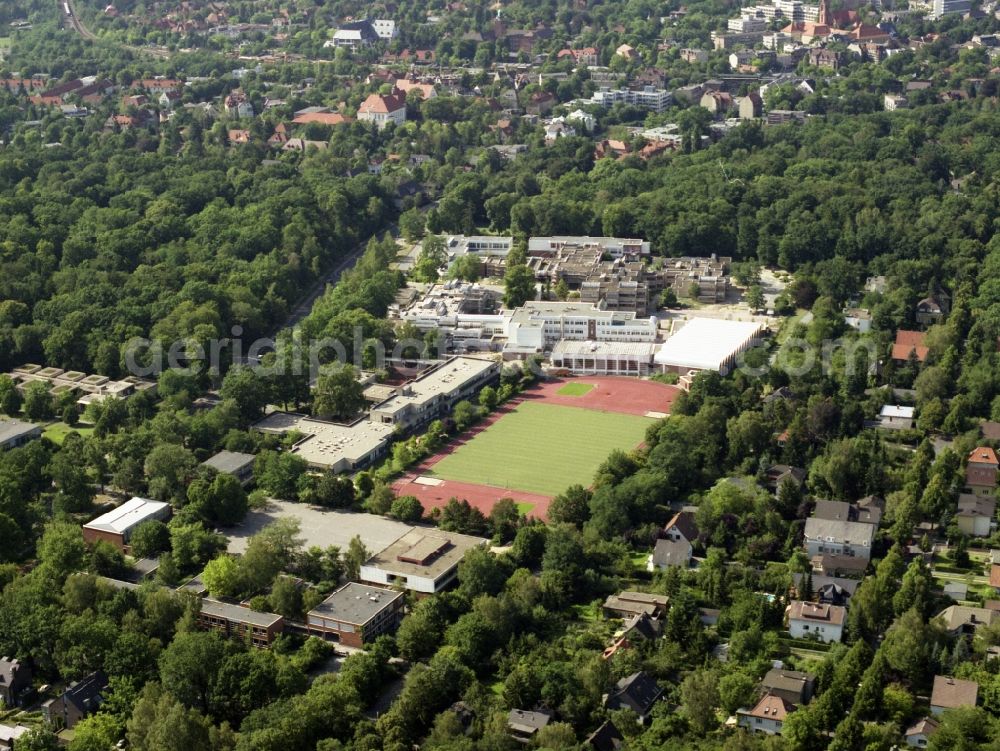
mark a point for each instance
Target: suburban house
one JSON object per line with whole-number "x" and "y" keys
{"x": 116, "y": 526}
{"x": 424, "y": 560}
{"x": 606, "y": 738}
{"x": 952, "y": 693}
{"x": 384, "y": 110}
{"x": 918, "y": 735}
{"x": 80, "y": 699}
{"x": 237, "y": 622}
{"x": 995, "y": 576}
{"x": 791, "y": 685}
{"x": 236, "y": 104}
{"x": 828, "y": 564}
{"x": 833, "y": 590}
{"x": 234, "y": 463}
{"x": 668, "y": 554}
{"x": 909, "y": 344}
{"x": 627, "y": 604}
{"x": 776, "y": 474}
{"x": 682, "y": 527}
{"x": 766, "y": 716}
{"x": 975, "y": 515}
{"x": 15, "y": 433}
{"x": 523, "y": 725}
{"x": 638, "y": 692}
{"x": 839, "y": 537}
{"x": 354, "y": 35}
{"x": 810, "y": 619}
{"x": 981, "y": 472}
{"x": 931, "y": 310}
{"x": 356, "y": 614}
{"x": 15, "y": 680}
{"x": 965, "y": 620}
{"x": 896, "y": 417}
{"x": 869, "y": 513}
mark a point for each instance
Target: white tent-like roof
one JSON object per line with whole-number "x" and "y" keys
{"x": 707, "y": 344}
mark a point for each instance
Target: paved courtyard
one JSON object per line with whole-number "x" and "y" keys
{"x": 319, "y": 526}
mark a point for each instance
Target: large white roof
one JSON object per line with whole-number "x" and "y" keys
{"x": 128, "y": 515}
{"x": 706, "y": 343}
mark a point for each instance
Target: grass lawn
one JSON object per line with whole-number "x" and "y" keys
{"x": 524, "y": 508}
{"x": 542, "y": 448}
{"x": 57, "y": 432}
{"x": 575, "y": 389}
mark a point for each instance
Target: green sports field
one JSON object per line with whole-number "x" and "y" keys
{"x": 542, "y": 448}
{"x": 575, "y": 389}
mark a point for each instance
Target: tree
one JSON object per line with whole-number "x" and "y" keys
{"x": 571, "y": 506}
{"x": 432, "y": 257}
{"x": 37, "y": 402}
{"x": 189, "y": 665}
{"x": 736, "y": 690}
{"x": 407, "y": 509}
{"x": 220, "y": 499}
{"x": 339, "y": 394}
{"x": 519, "y": 286}
{"x": 467, "y": 268}
{"x": 286, "y": 597}
{"x": 700, "y": 698}
{"x": 224, "y": 577}
{"x": 168, "y": 469}
{"x": 38, "y": 739}
{"x": 160, "y": 722}
{"x": 10, "y": 397}
{"x": 332, "y": 491}
{"x": 505, "y": 518}
{"x": 247, "y": 390}
{"x": 98, "y": 732}
{"x": 61, "y": 549}
{"x": 488, "y": 398}
{"x": 411, "y": 224}
{"x": 755, "y": 297}
{"x": 355, "y": 556}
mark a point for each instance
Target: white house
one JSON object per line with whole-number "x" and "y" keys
{"x": 385, "y": 28}
{"x": 918, "y": 735}
{"x": 839, "y": 537}
{"x": 858, "y": 319}
{"x": 384, "y": 110}
{"x": 975, "y": 515}
{"x": 896, "y": 417}
{"x": 767, "y": 716}
{"x": 810, "y": 619}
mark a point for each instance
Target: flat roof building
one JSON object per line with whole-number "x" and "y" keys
{"x": 238, "y": 622}
{"x": 329, "y": 445}
{"x": 234, "y": 463}
{"x": 707, "y": 344}
{"x": 14, "y": 433}
{"x": 117, "y": 525}
{"x": 613, "y": 246}
{"x": 424, "y": 560}
{"x": 433, "y": 394}
{"x": 356, "y": 614}
{"x": 603, "y": 358}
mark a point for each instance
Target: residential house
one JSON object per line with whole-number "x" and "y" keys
{"x": 640, "y": 627}
{"x": 238, "y": 136}
{"x": 80, "y": 699}
{"x": 236, "y": 104}
{"x": 15, "y": 433}
{"x": 354, "y": 35}
{"x": 995, "y": 576}
{"x": 169, "y": 99}
{"x": 791, "y": 685}
{"x": 839, "y": 537}
{"x": 975, "y": 515}
{"x": 766, "y": 716}
{"x": 918, "y": 735}
{"x": 830, "y": 564}
{"x": 325, "y": 117}
{"x": 234, "y": 463}
{"x": 751, "y": 106}
{"x": 9, "y": 735}
{"x": 965, "y": 620}
{"x": 858, "y": 319}
{"x": 717, "y": 102}
{"x": 524, "y": 725}
{"x": 406, "y": 85}
{"x": 385, "y": 28}
{"x": 668, "y": 554}
{"x": 638, "y": 692}
{"x": 952, "y": 693}
{"x": 356, "y": 614}
{"x": 931, "y": 310}
{"x": 909, "y": 344}
{"x": 833, "y": 590}
{"x": 896, "y": 417}
{"x": 384, "y": 110}
{"x": 893, "y": 102}
{"x": 809, "y": 619}
{"x": 606, "y": 738}
{"x": 825, "y": 58}
{"x": 981, "y": 472}
{"x": 15, "y": 681}
{"x": 282, "y": 133}
{"x": 540, "y": 103}
{"x": 628, "y": 604}
{"x": 776, "y": 474}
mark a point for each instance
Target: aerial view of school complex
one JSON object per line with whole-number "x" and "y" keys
{"x": 439, "y": 375}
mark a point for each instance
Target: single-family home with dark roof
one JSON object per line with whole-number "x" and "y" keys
{"x": 638, "y": 692}
{"x": 523, "y": 724}
{"x": 15, "y": 681}
{"x": 793, "y": 686}
{"x": 76, "y": 702}
{"x": 606, "y": 738}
